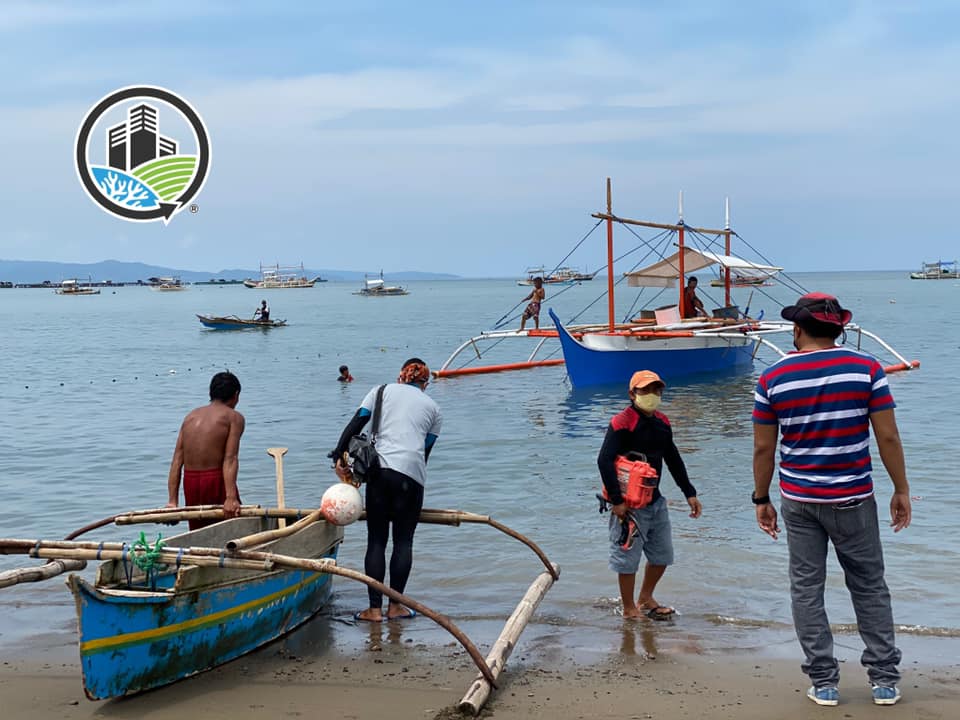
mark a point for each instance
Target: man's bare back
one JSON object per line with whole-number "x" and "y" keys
{"x": 208, "y": 450}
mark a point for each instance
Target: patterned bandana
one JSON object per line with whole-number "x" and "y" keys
{"x": 414, "y": 373}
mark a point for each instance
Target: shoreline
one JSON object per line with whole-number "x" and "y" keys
{"x": 356, "y": 671}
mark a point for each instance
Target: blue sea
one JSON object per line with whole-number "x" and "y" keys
{"x": 94, "y": 389}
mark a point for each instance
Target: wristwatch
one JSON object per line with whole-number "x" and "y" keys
{"x": 765, "y": 500}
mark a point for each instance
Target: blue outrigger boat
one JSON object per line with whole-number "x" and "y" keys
{"x": 137, "y": 634}
{"x": 232, "y": 322}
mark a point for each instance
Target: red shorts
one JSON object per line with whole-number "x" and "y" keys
{"x": 203, "y": 487}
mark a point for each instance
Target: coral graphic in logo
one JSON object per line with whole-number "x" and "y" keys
{"x": 142, "y": 154}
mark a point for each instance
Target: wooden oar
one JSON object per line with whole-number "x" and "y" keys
{"x": 246, "y": 559}
{"x": 248, "y": 541}
{"x": 278, "y": 453}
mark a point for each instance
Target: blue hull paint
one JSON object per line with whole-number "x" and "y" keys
{"x": 588, "y": 367}
{"x": 197, "y": 630}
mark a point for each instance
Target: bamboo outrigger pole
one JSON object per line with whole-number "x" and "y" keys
{"x": 216, "y": 557}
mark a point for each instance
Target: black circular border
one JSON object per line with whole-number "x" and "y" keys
{"x": 83, "y": 171}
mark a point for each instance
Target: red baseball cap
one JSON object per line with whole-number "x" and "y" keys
{"x": 817, "y": 306}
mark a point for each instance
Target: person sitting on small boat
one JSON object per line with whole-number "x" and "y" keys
{"x": 345, "y": 375}
{"x": 692, "y": 305}
{"x": 262, "y": 313}
{"x": 207, "y": 451}
{"x": 536, "y": 296}
{"x": 409, "y": 425}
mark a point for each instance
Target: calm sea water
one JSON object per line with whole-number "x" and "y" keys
{"x": 94, "y": 389}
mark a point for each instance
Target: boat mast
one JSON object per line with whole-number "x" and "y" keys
{"x": 726, "y": 270}
{"x": 610, "y": 308}
{"x": 683, "y": 298}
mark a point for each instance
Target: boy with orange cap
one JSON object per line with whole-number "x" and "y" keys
{"x": 641, "y": 428}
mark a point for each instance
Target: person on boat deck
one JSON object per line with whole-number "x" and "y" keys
{"x": 641, "y": 428}
{"x": 692, "y": 305}
{"x": 207, "y": 451}
{"x": 536, "y": 296}
{"x": 262, "y": 313}
{"x": 822, "y": 401}
{"x": 345, "y": 375}
{"x": 409, "y": 425}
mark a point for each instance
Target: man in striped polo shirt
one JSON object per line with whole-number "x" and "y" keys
{"x": 824, "y": 398}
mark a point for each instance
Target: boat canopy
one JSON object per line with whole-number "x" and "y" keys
{"x": 664, "y": 273}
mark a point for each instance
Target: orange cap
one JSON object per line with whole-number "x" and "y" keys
{"x": 642, "y": 378}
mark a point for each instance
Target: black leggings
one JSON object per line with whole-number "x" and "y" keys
{"x": 392, "y": 497}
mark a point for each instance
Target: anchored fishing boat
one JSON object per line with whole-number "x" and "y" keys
{"x": 939, "y": 270}
{"x": 280, "y": 277}
{"x": 232, "y": 322}
{"x": 666, "y": 340}
{"x": 73, "y": 287}
{"x": 375, "y": 287}
{"x": 562, "y": 275}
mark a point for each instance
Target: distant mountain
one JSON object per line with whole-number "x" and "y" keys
{"x": 36, "y": 271}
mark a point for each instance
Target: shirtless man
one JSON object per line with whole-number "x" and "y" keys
{"x": 536, "y": 296}
{"x": 207, "y": 451}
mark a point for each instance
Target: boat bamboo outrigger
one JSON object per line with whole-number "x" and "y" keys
{"x": 155, "y": 615}
{"x": 671, "y": 342}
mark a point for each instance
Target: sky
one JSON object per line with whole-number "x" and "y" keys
{"x": 475, "y": 138}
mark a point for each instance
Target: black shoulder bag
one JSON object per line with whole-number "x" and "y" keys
{"x": 362, "y": 448}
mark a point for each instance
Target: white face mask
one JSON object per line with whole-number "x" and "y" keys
{"x": 647, "y": 402}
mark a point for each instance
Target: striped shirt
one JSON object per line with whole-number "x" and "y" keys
{"x": 822, "y": 401}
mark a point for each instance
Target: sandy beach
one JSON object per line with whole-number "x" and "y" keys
{"x": 391, "y": 676}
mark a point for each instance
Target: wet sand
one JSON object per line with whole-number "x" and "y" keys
{"x": 400, "y": 679}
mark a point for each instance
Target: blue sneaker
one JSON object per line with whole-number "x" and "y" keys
{"x": 826, "y": 695}
{"x": 885, "y": 694}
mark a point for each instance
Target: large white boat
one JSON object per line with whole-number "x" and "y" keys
{"x": 940, "y": 270}
{"x": 560, "y": 276}
{"x": 167, "y": 284}
{"x": 280, "y": 277}
{"x": 376, "y": 287}
{"x": 73, "y": 287}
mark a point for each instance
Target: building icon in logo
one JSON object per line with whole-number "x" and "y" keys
{"x": 143, "y": 176}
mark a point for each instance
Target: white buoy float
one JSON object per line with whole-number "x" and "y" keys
{"x": 341, "y": 504}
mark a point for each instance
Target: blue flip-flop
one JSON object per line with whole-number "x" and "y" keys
{"x": 356, "y": 616}
{"x": 413, "y": 614}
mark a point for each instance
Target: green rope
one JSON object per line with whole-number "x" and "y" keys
{"x": 147, "y": 558}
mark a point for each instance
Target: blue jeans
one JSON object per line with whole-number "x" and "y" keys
{"x": 855, "y": 533}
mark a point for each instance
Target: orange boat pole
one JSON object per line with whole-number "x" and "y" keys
{"x": 610, "y": 307}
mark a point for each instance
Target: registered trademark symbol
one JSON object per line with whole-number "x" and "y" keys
{"x": 194, "y": 208}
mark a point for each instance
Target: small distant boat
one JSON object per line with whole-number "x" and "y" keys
{"x": 166, "y": 284}
{"x": 376, "y": 287}
{"x": 73, "y": 287}
{"x": 232, "y": 322}
{"x": 281, "y": 277}
{"x": 940, "y": 270}
{"x": 560, "y": 276}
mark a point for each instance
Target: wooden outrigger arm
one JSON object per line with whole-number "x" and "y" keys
{"x": 242, "y": 559}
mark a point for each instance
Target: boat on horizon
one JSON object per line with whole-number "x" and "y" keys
{"x": 281, "y": 277}
{"x": 562, "y": 275}
{"x": 74, "y": 287}
{"x": 167, "y": 284}
{"x": 939, "y": 270}
{"x": 376, "y": 287}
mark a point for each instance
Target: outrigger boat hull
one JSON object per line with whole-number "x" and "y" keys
{"x": 235, "y": 323}
{"x": 603, "y": 358}
{"x": 198, "y": 618}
